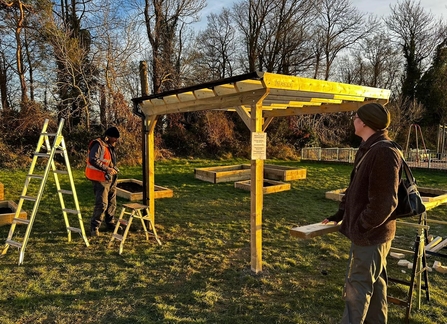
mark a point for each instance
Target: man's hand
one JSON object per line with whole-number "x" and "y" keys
{"x": 111, "y": 171}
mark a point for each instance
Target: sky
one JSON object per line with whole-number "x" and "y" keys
{"x": 378, "y": 7}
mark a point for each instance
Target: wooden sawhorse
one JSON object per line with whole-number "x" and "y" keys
{"x": 136, "y": 212}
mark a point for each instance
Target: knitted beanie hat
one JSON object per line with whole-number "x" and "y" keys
{"x": 374, "y": 115}
{"x": 112, "y": 132}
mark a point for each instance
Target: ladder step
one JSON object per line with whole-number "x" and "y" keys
{"x": 48, "y": 134}
{"x": 35, "y": 176}
{"x": 61, "y": 171}
{"x": 21, "y": 221}
{"x": 71, "y": 211}
{"x": 118, "y": 237}
{"x": 14, "y": 243}
{"x": 64, "y": 191}
{"x": 74, "y": 229}
{"x": 123, "y": 222}
{"x": 29, "y": 198}
{"x": 41, "y": 154}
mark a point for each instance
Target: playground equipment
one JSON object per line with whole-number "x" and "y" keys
{"x": 440, "y": 147}
{"x": 415, "y": 154}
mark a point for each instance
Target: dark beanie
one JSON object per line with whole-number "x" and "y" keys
{"x": 112, "y": 132}
{"x": 374, "y": 115}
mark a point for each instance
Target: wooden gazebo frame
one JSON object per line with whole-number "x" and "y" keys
{"x": 257, "y": 98}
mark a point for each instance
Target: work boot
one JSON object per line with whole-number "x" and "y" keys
{"x": 94, "y": 232}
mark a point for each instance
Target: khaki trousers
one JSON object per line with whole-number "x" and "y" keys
{"x": 365, "y": 291}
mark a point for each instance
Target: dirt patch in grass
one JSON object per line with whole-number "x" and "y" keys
{"x": 130, "y": 186}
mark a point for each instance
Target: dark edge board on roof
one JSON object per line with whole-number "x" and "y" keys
{"x": 209, "y": 85}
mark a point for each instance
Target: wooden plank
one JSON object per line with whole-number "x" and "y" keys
{"x": 433, "y": 243}
{"x": 283, "y": 173}
{"x": 269, "y": 186}
{"x": 439, "y": 246}
{"x": 6, "y": 218}
{"x": 313, "y": 230}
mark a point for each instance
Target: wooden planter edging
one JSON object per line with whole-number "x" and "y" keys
{"x": 2, "y": 191}
{"x": 270, "y": 186}
{"x": 11, "y": 207}
{"x": 242, "y": 172}
{"x": 430, "y": 196}
{"x": 224, "y": 173}
{"x": 159, "y": 192}
{"x": 283, "y": 173}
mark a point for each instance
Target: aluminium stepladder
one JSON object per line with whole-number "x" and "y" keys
{"x": 136, "y": 212}
{"x": 419, "y": 271}
{"x": 47, "y": 151}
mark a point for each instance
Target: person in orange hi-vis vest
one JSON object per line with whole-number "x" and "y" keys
{"x": 102, "y": 171}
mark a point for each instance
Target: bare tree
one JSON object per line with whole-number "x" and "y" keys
{"x": 16, "y": 12}
{"x": 165, "y": 21}
{"x": 373, "y": 62}
{"x": 251, "y": 16}
{"x": 339, "y": 25}
{"x": 417, "y": 34}
{"x": 213, "y": 55}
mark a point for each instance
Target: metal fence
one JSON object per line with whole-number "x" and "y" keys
{"x": 414, "y": 158}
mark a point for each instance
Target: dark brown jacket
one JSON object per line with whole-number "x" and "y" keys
{"x": 372, "y": 193}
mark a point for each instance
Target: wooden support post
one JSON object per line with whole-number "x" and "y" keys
{"x": 257, "y": 181}
{"x": 149, "y": 166}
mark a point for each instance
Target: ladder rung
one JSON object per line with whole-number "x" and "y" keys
{"x": 20, "y": 221}
{"x": 397, "y": 301}
{"x": 64, "y": 191}
{"x": 61, "y": 171}
{"x": 118, "y": 237}
{"x": 41, "y": 154}
{"x": 59, "y": 151}
{"x": 35, "y": 176}
{"x": 28, "y": 198}
{"x": 71, "y": 211}
{"x": 49, "y": 134}
{"x": 14, "y": 243}
{"x": 123, "y": 222}
{"x": 74, "y": 229}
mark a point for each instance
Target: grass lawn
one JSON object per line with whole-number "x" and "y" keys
{"x": 201, "y": 273}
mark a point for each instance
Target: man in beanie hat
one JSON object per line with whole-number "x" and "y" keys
{"x": 102, "y": 171}
{"x": 365, "y": 209}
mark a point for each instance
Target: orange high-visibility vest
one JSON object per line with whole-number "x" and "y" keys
{"x": 92, "y": 172}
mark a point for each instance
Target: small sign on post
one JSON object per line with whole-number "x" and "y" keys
{"x": 258, "y": 146}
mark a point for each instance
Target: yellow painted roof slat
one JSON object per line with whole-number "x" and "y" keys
{"x": 186, "y": 96}
{"x": 295, "y": 104}
{"x": 349, "y": 98}
{"x": 204, "y": 93}
{"x": 323, "y": 100}
{"x": 172, "y": 99}
{"x": 157, "y": 102}
{"x": 224, "y": 89}
{"x": 248, "y": 85}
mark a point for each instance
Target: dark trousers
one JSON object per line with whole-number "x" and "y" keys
{"x": 105, "y": 203}
{"x": 365, "y": 291}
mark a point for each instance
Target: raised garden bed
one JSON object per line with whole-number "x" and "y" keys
{"x": 7, "y": 212}
{"x": 269, "y": 186}
{"x": 242, "y": 172}
{"x": 224, "y": 173}
{"x": 430, "y": 196}
{"x": 132, "y": 189}
{"x": 283, "y": 173}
